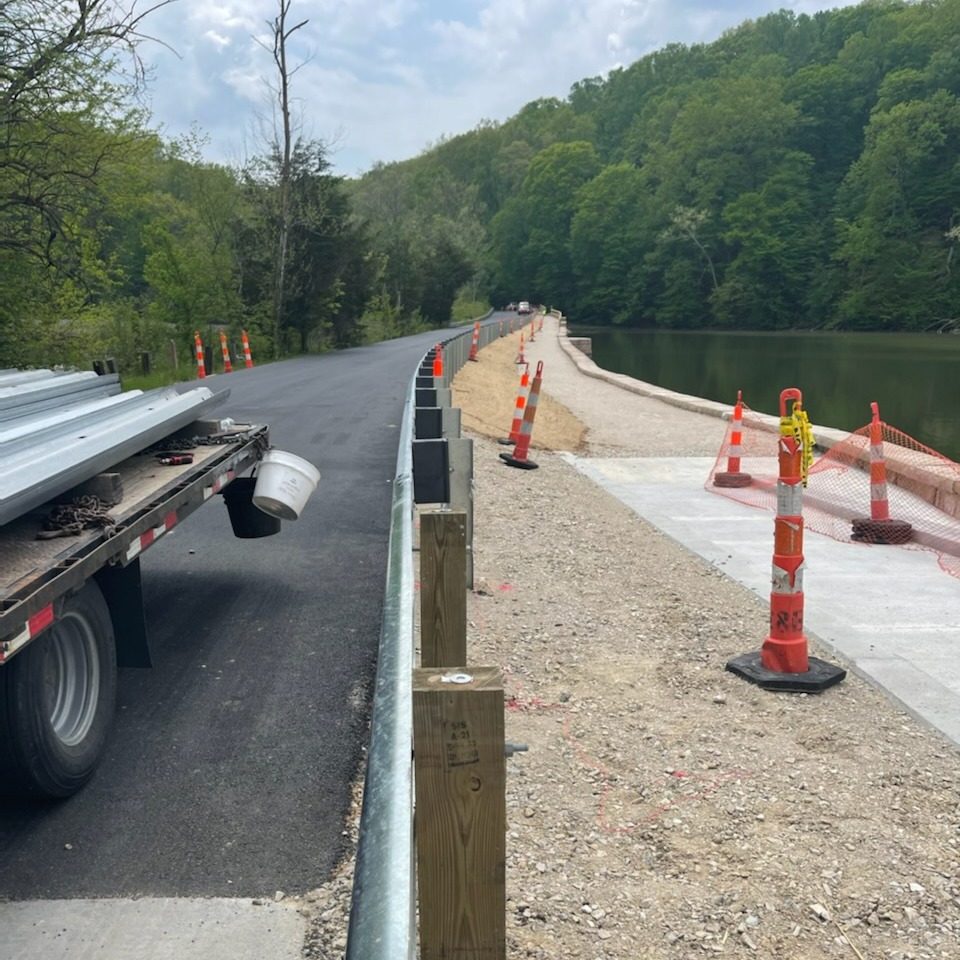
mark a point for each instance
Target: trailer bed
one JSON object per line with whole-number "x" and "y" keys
{"x": 35, "y": 573}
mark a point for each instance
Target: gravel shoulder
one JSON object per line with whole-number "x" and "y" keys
{"x": 667, "y": 809}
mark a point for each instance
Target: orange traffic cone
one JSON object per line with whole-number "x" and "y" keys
{"x": 476, "y": 340}
{"x": 518, "y": 410}
{"x": 248, "y": 360}
{"x": 225, "y": 353}
{"x": 783, "y": 662}
{"x": 438, "y": 362}
{"x": 201, "y": 366}
{"x": 519, "y": 456}
{"x": 732, "y": 477}
{"x": 878, "y": 527}
{"x": 520, "y": 357}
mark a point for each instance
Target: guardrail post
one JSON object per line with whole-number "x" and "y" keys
{"x": 460, "y": 819}
{"x": 460, "y": 462}
{"x": 443, "y": 600}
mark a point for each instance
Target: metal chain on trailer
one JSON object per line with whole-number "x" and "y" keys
{"x": 87, "y": 512}
{"x": 71, "y": 519}
{"x": 173, "y": 444}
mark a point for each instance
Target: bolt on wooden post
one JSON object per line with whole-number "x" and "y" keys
{"x": 460, "y": 813}
{"x": 443, "y": 597}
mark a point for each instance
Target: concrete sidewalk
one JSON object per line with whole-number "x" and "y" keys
{"x": 151, "y": 929}
{"x": 887, "y": 612}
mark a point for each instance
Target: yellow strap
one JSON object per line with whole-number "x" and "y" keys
{"x": 797, "y": 425}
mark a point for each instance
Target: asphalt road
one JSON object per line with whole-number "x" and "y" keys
{"x": 228, "y": 772}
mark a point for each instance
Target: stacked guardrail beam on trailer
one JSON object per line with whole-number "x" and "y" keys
{"x": 74, "y": 434}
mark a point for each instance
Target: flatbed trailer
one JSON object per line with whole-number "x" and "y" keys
{"x": 71, "y": 607}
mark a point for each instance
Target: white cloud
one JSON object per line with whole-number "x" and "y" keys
{"x": 217, "y": 40}
{"x": 396, "y": 75}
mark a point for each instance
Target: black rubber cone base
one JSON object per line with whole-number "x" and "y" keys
{"x": 724, "y": 479}
{"x": 507, "y": 442}
{"x": 511, "y": 461}
{"x": 868, "y": 530}
{"x": 818, "y": 678}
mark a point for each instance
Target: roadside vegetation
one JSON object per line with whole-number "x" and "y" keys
{"x": 800, "y": 172}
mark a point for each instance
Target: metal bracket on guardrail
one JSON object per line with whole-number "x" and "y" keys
{"x": 434, "y": 423}
{"x": 431, "y": 471}
{"x": 460, "y": 461}
{"x": 425, "y": 397}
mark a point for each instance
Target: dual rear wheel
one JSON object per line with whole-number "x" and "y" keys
{"x": 57, "y": 699}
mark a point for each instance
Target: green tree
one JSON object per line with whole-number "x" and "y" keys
{"x": 609, "y": 231}
{"x": 67, "y": 73}
{"x": 535, "y": 229}
{"x": 898, "y": 208}
{"x": 772, "y": 240}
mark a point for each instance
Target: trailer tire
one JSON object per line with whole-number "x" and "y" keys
{"x": 57, "y": 699}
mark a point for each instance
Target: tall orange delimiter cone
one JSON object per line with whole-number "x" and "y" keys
{"x": 878, "y": 527}
{"x": 476, "y": 340}
{"x": 225, "y": 353}
{"x": 519, "y": 456}
{"x": 247, "y": 358}
{"x": 732, "y": 477}
{"x": 783, "y": 662}
{"x": 201, "y": 364}
{"x": 518, "y": 409}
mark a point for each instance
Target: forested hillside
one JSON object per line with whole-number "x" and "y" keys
{"x": 800, "y": 172}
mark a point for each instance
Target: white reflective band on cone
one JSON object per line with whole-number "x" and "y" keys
{"x": 789, "y": 499}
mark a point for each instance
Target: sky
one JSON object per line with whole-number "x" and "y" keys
{"x": 383, "y": 80}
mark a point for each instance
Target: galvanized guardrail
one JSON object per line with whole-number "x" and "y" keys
{"x": 383, "y": 908}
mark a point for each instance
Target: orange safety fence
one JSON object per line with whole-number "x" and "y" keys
{"x": 922, "y": 485}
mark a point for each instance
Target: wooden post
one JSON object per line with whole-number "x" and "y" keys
{"x": 460, "y": 814}
{"x": 443, "y": 597}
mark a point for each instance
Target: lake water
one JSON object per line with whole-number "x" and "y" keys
{"x": 914, "y": 378}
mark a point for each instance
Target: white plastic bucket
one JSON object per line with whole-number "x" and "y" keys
{"x": 284, "y": 484}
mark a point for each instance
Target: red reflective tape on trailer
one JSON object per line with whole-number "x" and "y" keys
{"x": 38, "y": 622}
{"x": 219, "y": 484}
{"x": 149, "y": 537}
